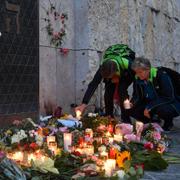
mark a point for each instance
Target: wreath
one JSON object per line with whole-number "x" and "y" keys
{"x": 53, "y": 19}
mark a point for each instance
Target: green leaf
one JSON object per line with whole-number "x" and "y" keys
{"x": 132, "y": 171}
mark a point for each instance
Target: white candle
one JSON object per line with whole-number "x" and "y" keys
{"x": 118, "y": 137}
{"x": 67, "y": 141}
{"x": 109, "y": 166}
{"x": 127, "y": 104}
{"x": 50, "y": 139}
{"x": 104, "y": 155}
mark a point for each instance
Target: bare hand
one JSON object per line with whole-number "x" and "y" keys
{"x": 146, "y": 113}
{"x": 80, "y": 108}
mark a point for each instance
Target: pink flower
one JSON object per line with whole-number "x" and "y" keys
{"x": 101, "y": 127}
{"x": 17, "y": 122}
{"x": 55, "y": 34}
{"x": 63, "y": 129}
{"x": 156, "y": 135}
{"x": 149, "y": 146}
{"x": 124, "y": 128}
{"x": 156, "y": 127}
{"x": 131, "y": 137}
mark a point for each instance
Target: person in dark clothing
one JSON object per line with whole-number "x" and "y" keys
{"x": 116, "y": 73}
{"x": 153, "y": 94}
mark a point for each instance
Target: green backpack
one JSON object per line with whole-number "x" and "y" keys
{"x": 121, "y": 50}
{"x": 120, "y": 53}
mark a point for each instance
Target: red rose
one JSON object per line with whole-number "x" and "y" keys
{"x": 34, "y": 146}
{"x": 77, "y": 153}
{"x": 149, "y": 146}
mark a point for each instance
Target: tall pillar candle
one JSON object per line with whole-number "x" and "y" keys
{"x": 67, "y": 141}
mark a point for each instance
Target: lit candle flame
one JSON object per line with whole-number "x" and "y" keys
{"x": 78, "y": 114}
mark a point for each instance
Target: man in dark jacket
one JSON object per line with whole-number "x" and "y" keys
{"x": 153, "y": 94}
{"x": 116, "y": 71}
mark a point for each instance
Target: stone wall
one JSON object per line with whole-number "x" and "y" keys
{"x": 150, "y": 27}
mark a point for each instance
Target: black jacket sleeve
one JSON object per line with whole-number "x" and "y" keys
{"x": 165, "y": 94}
{"x": 92, "y": 87}
{"x": 137, "y": 96}
{"x": 125, "y": 81}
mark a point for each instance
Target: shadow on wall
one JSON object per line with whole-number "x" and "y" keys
{"x": 48, "y": 108}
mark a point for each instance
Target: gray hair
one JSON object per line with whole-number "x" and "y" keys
{"x": 141, "y": 63}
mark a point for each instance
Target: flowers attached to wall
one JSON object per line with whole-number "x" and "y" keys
{"x": 55, "y": 25}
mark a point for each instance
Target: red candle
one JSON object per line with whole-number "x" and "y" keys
{"x": 112, "y": 153}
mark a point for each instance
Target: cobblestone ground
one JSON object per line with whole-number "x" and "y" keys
{"x": 173, "y": 170}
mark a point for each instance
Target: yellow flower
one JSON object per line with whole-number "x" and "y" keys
{"x": 122, "y": 157}
{"x": 8, "y": 132}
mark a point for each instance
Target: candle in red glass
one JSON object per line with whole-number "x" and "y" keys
{"x": 110, "y": 128}
{"x": 112, "y": 153}
{"x": 81, "y": 141}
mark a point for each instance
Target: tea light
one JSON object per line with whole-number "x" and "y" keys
{"x": 67, "y": 141}
{"x": 109, "y": 166}
{"x": 118, "y": 137}
{"x": 104, "y": 155}
{"x": 89, "y": 132}
{"x": 31, "y": 157}
{"x": 88, "y": 135}
{"x": 127, "y": 104}
{"x": 18, "y": 156}
{"x": 50, "y": 139}
{"x": 78, "y": 114}
{"x": 53, "y": 147}
{"x": 89, "y": 150}
{"x": 108, "y": 134}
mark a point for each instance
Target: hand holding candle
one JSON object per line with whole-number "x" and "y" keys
{"x": 127, "y": 104}
{"x": 79, "y": 109}
{"x": 78, "y": 114}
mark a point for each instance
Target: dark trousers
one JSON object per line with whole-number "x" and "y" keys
{"x": 165, "y": 112}
{"x": 109, "y": 103}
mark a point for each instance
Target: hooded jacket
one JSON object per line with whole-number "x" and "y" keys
{"x": 161, "y": 91}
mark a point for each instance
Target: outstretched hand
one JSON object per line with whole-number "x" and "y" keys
{"x": 81, "y": 108}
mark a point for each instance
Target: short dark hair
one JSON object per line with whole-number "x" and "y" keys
{"x": 108, "y": 69}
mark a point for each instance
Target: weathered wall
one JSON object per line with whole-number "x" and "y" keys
{"x": 57, "y": 72}
{"x": 150, "y": 27}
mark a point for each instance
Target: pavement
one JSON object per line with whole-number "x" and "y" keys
{"x": 173, "y": 170}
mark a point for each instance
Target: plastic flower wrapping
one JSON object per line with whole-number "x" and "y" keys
{"x": 96, "y": 146}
